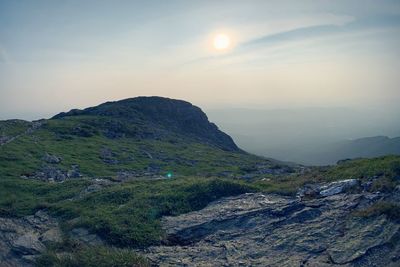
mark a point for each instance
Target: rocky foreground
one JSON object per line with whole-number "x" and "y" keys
{"x": 321, "y": 226}
{"x": 270, "y": 230}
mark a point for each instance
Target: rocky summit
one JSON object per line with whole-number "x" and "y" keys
{"x": 157, "y": 117}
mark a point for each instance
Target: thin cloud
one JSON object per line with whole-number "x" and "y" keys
{"x": 305, "y": 33}
{"x": 324, "y": 30}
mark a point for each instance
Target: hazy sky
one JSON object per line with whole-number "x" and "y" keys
{"x": 58, "y": 55}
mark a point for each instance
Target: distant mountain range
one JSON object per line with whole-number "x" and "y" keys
{"x": 311, "y": 136}
{"x": 367, "y": 147}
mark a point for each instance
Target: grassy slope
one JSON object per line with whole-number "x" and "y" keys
{"x": 185, "y": 157}
{"x": 387, "y": 168}
{"x": 128, "y": 214}
{"x": 13, "y": 127}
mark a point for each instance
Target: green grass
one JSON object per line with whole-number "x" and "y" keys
{"x": 388, "y": 166}
{"x": 125, "y": 214}
{"x": 83, "y": 147}
{"x": 390, "y": 209}
{"x": 128, "y": 214}
{"x": 386, "y": 171}
{"x": 13, "y": 127}
{"x": 284, "y": 185}
{"x": 19, "y": 197}
{"x": 92, "y": 257}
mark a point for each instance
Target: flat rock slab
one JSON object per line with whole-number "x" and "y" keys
{"x": 269, "y": 230}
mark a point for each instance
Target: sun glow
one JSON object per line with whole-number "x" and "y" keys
{"x": 221, "y": 41}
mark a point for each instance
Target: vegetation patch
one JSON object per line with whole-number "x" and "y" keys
{"x": 91, "y": 257}
{"x": 390, "y": 209}
{"x": 128, "y": 214}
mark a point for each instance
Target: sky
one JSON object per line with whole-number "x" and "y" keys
{"x": 57, "y": 55}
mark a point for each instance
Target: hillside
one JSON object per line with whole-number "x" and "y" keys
{"x": 144, "y": 136}
{"x": 151, "y": 182}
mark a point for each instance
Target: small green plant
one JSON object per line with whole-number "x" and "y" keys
{"x": 390, "y": 209}
{"x": 383, "y": 184}
{"x": 100, "y": 256}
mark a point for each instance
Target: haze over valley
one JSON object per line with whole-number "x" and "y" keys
{"x": 312, "y": 136}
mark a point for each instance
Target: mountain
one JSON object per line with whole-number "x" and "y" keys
{"x": 136, "y": 137}
{"x": 368, "y": 147}
{"x": 154, "y": 118}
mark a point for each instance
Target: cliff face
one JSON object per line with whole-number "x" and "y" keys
{"x": 158, "y": 117}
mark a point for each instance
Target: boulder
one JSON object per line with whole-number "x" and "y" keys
{"x": 22, "y": 239}
{"x": 52, "y": 159}
{"x": 28, "y": 244}
{"x": 74, "y": 172}
{"x": 52, "y": 235}
{"x": 83, "y": 235}
{"x": 325, "y": 190}
{"x": 337, "y": 187}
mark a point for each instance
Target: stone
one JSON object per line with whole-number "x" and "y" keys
{"x": 22, "y": 239}
{"x": 52, "y": 159}
{"x": 83, "y": 235}
{"x": 270, "y": 230}
{"x": 108, "y": 157}
{"x": 74, "y": 172}
{"x": 317, "y": 190}
{"x": 52, "y": 235}
{"x": 51, "y": 173}
{"x": 28, "y": 244}
{"x": 337, "y": 187}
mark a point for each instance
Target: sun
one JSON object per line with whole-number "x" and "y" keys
{"x": 221, "y": 41}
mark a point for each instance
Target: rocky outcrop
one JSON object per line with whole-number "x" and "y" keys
{"x": 270, "y": 230}
{"x": 329, "y": 189}
{"x": 50, "y": 173}
{"x": 84, "y": 236}
{"x": 52, "y": 159}
{"x": 22, "y": 239}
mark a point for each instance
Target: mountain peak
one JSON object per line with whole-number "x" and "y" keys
{"x": 158, "y": 117}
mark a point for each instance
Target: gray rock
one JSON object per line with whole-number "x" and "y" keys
{"x": 74, "y": 172}
{"x": 270, "y": 230}
{"x": 22, "y": 239}
{"x": 108, "y": 157}
{"x": 317, "y": 190}
{"x": 83, "y": 235}
{"x": 51, "y": 173}
{"x": 5, "y": 139}
{"x": 53, "y": 235}
{"x": 337, "y": 187}
{"x": 28, "y": 244}
{"x": 52, "y": 159}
